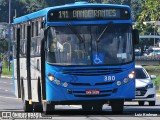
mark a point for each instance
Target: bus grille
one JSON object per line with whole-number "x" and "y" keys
{"x": 88, "y": 84}
{"x": 92, "y": 72}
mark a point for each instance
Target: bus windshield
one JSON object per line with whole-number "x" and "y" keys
{"x": 90, "y": 45}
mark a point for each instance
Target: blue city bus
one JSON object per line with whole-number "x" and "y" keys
{"x": 75, "y": 54}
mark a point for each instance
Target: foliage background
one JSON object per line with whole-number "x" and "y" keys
{"x": 27, "y": 6}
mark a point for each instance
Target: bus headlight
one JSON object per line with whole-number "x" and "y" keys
{"x": 131, "y": 75}
{"x": 51, "y": 77}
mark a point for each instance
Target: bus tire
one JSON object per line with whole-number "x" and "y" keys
{"x": 117, "y": 106}
{"x": 38, "y": 108}
{"x": 97, "y": 107}
{"x": 27, "y": 107}
{"x": 48, "y": 108}
{"x": 86, "y": 107}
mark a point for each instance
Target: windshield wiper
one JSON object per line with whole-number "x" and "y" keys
{"x": 75, "y": 32}
{"x": 105, "y": 29}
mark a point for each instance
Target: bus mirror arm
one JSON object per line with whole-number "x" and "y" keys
{"x": 135, "y": 36}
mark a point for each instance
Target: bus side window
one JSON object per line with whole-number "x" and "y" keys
{"x": 36, "y": 47}
{"x": 34, "y": 44}
{"x": 24, "y": 31}
{"x": 21, "y": 31}
{"x": 36, "y": 28}
{"x": 42, "y": 24}
{"x": 15, "y": 41}
{"x": 32, "y": 29}
{"x": 39, "y": 27}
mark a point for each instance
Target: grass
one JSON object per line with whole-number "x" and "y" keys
{"x": 154, "y": 70}
{"x": 157, "y": 80}
{"x": 5, "y": 70}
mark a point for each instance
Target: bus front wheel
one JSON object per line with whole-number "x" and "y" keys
{"x": 27, "y": 107}
{"x": 97, "y": 107}
{"x": 86, "y": 107}
{"x": 94, "y": 107}
{"x": 117, "y": 106}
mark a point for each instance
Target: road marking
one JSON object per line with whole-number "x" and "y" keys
{"x": 5, "y": 82}
{"x": 8, "y": 97}
{"x": 6, "y": 90}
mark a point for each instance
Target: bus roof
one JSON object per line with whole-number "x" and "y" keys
{"x": 44, "y": 12}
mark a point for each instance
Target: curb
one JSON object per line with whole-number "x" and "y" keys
{"x": 3, "y": 76}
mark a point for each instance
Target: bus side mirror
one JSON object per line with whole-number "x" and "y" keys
{"x": 135, "y": 36}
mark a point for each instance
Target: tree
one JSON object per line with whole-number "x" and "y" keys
{"x": 145, "y": 29}
{"x": 32, "y": 6}
{"x": 136, "y": 6}
{"x": 27, "y": 6}
{"x": 3, "y": 6}
{"x": 150, "y": 11}
{"x": 4, "y": 9}
{"x": 4, "y": 46}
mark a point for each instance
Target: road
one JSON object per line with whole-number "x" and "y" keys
{"x": 9, "y": 103}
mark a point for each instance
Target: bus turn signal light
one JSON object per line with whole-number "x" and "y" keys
{"x": 131, "y": 75}
{"x": 51, "y": 77}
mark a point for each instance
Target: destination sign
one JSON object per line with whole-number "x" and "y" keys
{"x": 88, "y": 14}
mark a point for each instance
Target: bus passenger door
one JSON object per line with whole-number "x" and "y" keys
{"x": 28, "y": 63}
{"x": 17, "y": 65}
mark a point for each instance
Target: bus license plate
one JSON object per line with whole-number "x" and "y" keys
{"x": 92, "y": 92}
